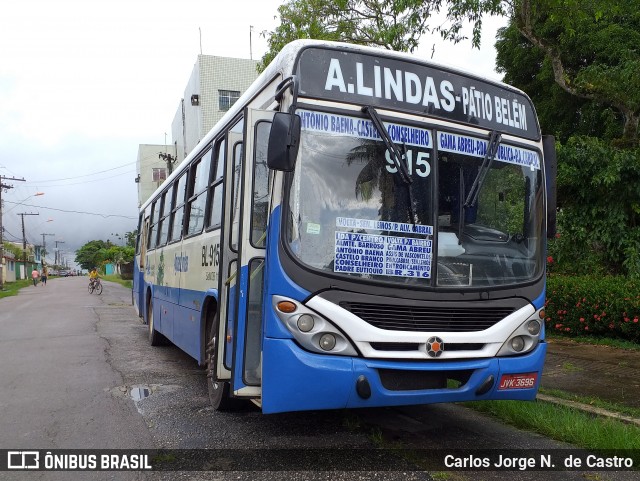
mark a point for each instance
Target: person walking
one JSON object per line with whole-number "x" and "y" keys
{"x": 34, "y": 275}
{"x": 45, "y": 273}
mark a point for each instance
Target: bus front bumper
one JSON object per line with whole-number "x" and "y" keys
{"x": 296, "y": 380}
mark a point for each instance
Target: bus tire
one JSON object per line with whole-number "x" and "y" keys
{"x": 155, "y": 338}
{"x": 218, "y": 390}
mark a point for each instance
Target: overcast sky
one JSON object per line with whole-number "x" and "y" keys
{"x": 83, "y": 83}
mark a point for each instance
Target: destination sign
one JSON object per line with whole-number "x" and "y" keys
{"x": 413, "y": 87}
{"x": 382, "y": 255}
{"x": 463, "y": 144}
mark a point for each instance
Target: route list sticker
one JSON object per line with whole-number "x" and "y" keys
{"x": 382, "y": 255}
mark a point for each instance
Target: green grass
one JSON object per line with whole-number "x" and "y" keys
{"x": 604, "y": 341}
{"x": 593, "y": 401}
{"x": 12, "y": 288}
{"x": 118, "y": 279}
{"x": 563, "y": 424}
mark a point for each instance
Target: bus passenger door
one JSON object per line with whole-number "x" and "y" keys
{"x": 254, "y": 193}
{"x": 139, "y": 272}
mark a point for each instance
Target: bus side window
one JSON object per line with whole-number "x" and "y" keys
{"x": 261, "y": 177}
{"x": 153, "y": 231}
{"x": 198, "y": 194}
{"x": 235, "y": 195}
{"x": 163, "y": 224}
{"x": 215, "y": 215}
{"x": 143, "y": 242}
{"x": 178, "y": 211}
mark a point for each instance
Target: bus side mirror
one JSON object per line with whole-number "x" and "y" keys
{"x": 284, "y": 141}
{"x": 551, "y": 172}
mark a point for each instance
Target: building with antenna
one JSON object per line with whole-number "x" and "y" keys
{"x": 213, "y": 87}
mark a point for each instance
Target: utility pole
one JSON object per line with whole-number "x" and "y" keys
{"x": 57, "y": 256}
{"x": 24, "y": 244}
{"x": 250, "y": 46}
{"x": 4, "y": 187}
{"x": 44, "y": 247}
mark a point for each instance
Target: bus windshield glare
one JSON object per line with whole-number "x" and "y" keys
{"x": 351, "y": 214}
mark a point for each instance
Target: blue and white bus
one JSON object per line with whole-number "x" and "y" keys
{"x": 362, "y": 228}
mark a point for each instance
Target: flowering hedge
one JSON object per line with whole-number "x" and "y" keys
{"x": 593, "y": 306}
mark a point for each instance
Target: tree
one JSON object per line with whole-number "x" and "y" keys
{"x": 590, "y": 45}
{"x": 599, "y": 222}
{"x": 89, "y": 255}
{"x": 560, "y": 113}
{"x": 97, "y": 252}
{"x": 131, "y": 238}
{"x": 592, "y": 48}
{"x": 391, "y": 24}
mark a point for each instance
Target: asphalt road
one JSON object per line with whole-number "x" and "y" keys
{"x": 76, "y": 372}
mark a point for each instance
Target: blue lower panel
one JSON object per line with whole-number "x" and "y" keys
{"x": 296, "y": 380}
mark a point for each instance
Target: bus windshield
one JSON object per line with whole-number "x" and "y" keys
{"x": 351, "y": 214}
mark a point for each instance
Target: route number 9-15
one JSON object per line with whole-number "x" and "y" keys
{"x": 421, "y": 167}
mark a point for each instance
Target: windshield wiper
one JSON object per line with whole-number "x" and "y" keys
{"x": 399, "y": 158}
{"x": 489, "y": 156}
{"x": 394, "y": 151}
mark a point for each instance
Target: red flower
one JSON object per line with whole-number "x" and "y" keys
{"x": 586, "y": 328}
{"x": 550, "y": 260}
{"x": 558, "y": 326}
{"x": 582, "y": 319}
{"x": 635, "y": 319}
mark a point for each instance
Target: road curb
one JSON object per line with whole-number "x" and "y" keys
{"x": 589, "y": 409}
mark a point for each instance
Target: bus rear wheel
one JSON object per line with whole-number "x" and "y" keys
{"x": 218, "y": 390}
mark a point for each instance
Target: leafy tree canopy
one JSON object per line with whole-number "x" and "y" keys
{"x": 97, "y": 252}
{"x": 579, "y": 61}
{"x": 391, "y": 24}
{"x": 587, "y": 47}
{"x": 88, "y": 256}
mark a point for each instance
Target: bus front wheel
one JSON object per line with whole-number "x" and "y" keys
{"x": 218, "y": 390}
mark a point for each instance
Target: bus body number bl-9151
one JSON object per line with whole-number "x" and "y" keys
{"x": 210, "y": 255}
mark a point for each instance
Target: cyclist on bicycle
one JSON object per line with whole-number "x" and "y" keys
{"x": 93, "y": 276}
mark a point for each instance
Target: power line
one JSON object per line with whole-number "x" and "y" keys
{"x": 11, "y": 234}
{"x": 77, "y": 211}
{"x": 128, "y": 172}
{"x": 80, "y": 176}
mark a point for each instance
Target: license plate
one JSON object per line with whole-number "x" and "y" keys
{"x": 518, "y": 381}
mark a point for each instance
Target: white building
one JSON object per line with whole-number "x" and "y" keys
{"x": 215, "y": 84}
{"x": 152, "y": 169}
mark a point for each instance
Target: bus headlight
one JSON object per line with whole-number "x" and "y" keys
{"x": 312, "y": 331}
{"x": 517, "y": 343}
{"x": 305, "y": 322}
{"x": 524, "y": 339}
{"x": 327, "y": 341}
{"x": 533, "y": 327}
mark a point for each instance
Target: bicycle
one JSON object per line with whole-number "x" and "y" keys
{"x": 95, "y": 286}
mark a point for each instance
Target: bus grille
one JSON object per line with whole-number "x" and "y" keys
{"x": 427, "y": 318}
